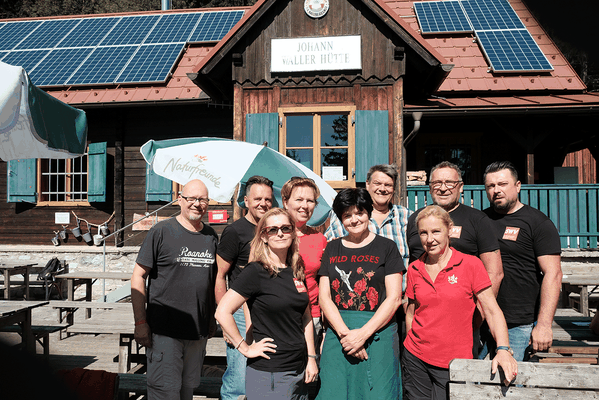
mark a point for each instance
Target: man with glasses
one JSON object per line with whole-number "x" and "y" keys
{"x": 388, "y": 220}
{"x": 471, "y": 232}
{"x": 233, "y": 254}
{"x": 175, "y": 315}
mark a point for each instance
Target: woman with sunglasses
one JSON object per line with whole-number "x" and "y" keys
{"x": 360, "y": 290}
{"x": 299, "y": 199}
{"x": 282, "y": 359}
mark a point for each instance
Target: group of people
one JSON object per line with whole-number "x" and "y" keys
{"x": 296, "y": 305}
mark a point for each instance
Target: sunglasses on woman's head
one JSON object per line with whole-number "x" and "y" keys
{"x": 274, "y": 230}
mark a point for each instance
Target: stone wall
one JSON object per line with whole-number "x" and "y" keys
{"x": 117, "y": 259}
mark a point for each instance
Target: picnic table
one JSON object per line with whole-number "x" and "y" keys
{"x": 9, "y": 268}
{"x": 88, "y": 278}
{"x": 19, "y": 312}
{"x": 583, "y": 283}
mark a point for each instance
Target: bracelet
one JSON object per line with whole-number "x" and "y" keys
{"x": 506, "y": 348}
{"x": 140, "y": 322}
{"x": 312, "y": 356}
{"x": 239, "y": 344}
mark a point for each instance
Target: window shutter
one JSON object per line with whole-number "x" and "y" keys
{"x": 372, "y": 141}
{"x": 158, "y": 188}
{"x": 260, "y": 128}
{"x": 96, "y": 173}
{"x": 22, "y": 181}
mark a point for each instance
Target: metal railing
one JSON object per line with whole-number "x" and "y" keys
{"x": 572, "y": 208}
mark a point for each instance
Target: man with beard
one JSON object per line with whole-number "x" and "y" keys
{"x": 233, "y": 254}
{"x": 530, "y": 252}
{"x": 175, "y": 315}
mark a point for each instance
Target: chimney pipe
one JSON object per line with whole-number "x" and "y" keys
{"x": 166, "y": 4}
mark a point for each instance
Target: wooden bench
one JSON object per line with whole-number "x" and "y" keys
{"x": 472, "y": 379}
{"x": 68, "y": 308}
{"x": 40, "y": 332}
{"x": 137, "y": 384}
{"x": 576, "y": 352}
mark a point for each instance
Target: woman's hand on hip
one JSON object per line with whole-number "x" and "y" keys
{"x": 259, "y": 349}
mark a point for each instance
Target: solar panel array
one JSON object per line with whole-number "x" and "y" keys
{"x": 108, "y": 50}
{"x": 504, "y": 39}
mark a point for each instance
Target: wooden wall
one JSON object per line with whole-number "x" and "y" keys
{"x": 29, "y": 224}
{"x": 586, "y": 163}
{"x": 288, "y": 20}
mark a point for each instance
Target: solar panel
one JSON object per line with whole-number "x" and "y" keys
{"x": 48, "y": 34}
{"x": 151, "y": 63}
{"x": 215, "y": 25}
{"x": 441, "y": 17}
{"x": 14, "y": 32}
{"x": 173, "y": 28}
{"x": 102, "y": 66}
{"x": 58, "y": 66}
{"x": 492, "y": 14}
{"x": 26, "y": 59}
{"x": 131, "y": 30}
{"x": 89, "y": 32}
{"x": 512, "y": 50}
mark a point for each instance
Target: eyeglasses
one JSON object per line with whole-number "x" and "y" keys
{"x": 192, "y": 200}
{"x": 274, "y": 230}
{"x": 448, "y": 184}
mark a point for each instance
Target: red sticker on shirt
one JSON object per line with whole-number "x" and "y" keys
{"x": 299, "y": 285}
{"x": 511, "y": 233}
{"x": 456, "y": 232}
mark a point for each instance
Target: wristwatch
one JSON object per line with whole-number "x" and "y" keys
{"x": 506, "y": 348}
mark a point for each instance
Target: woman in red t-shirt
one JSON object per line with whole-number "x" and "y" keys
{"x": 299, "y": 199}
{"x": 443, "y": 287}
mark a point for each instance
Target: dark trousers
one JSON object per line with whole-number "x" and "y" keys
{"x": 422, "y": 381}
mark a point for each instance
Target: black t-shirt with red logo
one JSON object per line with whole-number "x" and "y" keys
{"x": 523, "y": 236}
{"x": 277, "y": 305}
{"x": 357, "y": 276}
{"x": 471, "y": 233}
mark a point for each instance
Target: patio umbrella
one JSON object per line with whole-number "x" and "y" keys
{"x": 222, "y": 163}
{"x": 34, "y": 124}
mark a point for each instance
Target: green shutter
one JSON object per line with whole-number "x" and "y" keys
{"x": 372, "y": 141}
{"x": 21, "y": 176}
{"x": 96, "y": 174}
{"x": 260, "y": 128}
{"x": 158, "y": 188}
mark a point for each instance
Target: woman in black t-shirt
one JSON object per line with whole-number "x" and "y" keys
{"x": 360, "y": 290}
{"x": 282, "y": 357}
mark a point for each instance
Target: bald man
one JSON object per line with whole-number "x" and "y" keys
{"x": 173, "y": 316}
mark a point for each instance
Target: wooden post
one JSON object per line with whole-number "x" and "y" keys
{"x": 401, "y": 195}
{"x": 119, "y": 180}
{"x": 530, "y": 168}
{"x": 238, "y": 134}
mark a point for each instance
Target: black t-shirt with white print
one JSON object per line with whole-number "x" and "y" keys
{"x": 357, "y": 276}
{"x": 277, "y": 305}
{"x": 181, "y": 281}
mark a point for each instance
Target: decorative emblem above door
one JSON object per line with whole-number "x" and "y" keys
{"x": 316, "y": 8}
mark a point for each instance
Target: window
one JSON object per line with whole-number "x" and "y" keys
{"x": 62, "y": 180}
{"x": 75, "y": 181}
{"x": 323, "y": 140}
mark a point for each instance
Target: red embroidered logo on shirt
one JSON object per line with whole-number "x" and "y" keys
{"x": 452, "y": 279}
{"x": 456, "y": 232}
{"x": 511, "y": 233}
{"x": 299, "y": 285}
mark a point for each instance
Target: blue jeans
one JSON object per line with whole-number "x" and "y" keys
{"x": 519, "y": 342}
{"x": 233, "y": 384}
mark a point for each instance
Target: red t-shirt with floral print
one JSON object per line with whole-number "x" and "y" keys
{"x": 357, "y": 276}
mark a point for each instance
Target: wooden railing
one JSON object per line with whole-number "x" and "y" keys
{"x": 572, "y": 208}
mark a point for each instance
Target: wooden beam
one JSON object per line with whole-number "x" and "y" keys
{"x": 119, "y": 179}
{"x": 530, "y": 168}
{"x": 238, "y": 134}
{"x": 399, "y": 158}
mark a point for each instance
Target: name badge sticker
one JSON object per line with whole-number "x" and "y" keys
{"x": 456, "y": 232}
{"x": 299, "y": 285}
{"x": 511, "y": 233}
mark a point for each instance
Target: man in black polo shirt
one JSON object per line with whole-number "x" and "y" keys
{"x": 233, "y": 254}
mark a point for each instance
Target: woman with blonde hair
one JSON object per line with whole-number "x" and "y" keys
{"x": 282, "y": 358}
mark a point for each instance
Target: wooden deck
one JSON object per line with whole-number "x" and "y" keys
{"x": 93, "y": 351}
